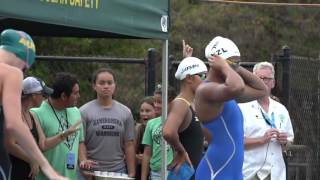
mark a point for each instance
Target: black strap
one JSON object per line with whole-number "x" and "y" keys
{"x": 60, "y": 123}
{"x": 55, "y": 114}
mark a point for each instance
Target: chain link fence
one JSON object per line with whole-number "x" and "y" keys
{"x": 133, "y": 80}
{"x": 299, "y": 87}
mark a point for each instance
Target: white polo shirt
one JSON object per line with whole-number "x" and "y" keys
{"x": 267, "y": 158}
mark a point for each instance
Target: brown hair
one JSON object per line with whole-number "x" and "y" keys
{"x": 172, "y": 93}
{"x": 101, "y": 70}
{"x": 148, "y": 100}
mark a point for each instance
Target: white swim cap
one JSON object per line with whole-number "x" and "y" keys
{"x": 222, "y": 47}
{"x": 191, "y": 66}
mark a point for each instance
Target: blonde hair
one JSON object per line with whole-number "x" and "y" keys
{"x": 263, "y": 65}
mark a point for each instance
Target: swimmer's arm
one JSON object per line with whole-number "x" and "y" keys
{"x": 217, "y": 92}
{"x": 11, "y": 101}
{"x": 254, "y": 86}
{"x": 16, "y": 150}
{"x": 17, "y": 131}
{"x": 174, "y": 122}
{"x": 210, "y": 96}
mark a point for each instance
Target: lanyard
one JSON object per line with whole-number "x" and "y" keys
{"x": 269, "y": 121}
{"x": 67, "y": 143}
{"x": 60, "y": 121}
{"x": 70, "y": 141}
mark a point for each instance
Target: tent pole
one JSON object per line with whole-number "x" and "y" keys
{"x": 164, "y": 106}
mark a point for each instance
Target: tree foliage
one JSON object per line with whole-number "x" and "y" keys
{"x": 258, "y": 31}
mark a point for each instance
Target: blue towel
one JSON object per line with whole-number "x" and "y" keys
{"x": 185, "y": 173}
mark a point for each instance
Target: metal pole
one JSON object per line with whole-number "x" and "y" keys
{"x": 318, "y": 123}
{"x": 150, "y": 71}
{"x": 171, "y": 71}
{"x": 164, "y": 106}
{"x": 286, "y": 62}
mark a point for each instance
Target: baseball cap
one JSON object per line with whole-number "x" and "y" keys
{"x": 32, "y": 85}
{"x": 191, "y": 66}
{"x": 223, "y": 47}
{"x": 20, "y": 44}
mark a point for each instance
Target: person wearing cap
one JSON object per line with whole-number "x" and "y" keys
{"x": 17, "y": 53}
{"x": 217, "y": 109}
{"x": 182, "y": 129}
{"x": 61, "y": 131}
{"x": 33, "y": 91}
{"x": 267, "y": 131}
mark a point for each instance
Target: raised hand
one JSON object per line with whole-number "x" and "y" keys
{"x": 217, "y": 62}
{"x": 72, "y": 129}
{"x": 186, "y": 50}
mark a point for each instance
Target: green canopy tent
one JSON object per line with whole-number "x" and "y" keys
{"x": 87, "y": 18}
{"x": 93, "y": 18}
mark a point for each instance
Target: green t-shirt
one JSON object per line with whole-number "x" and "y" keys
{"x": 152, "y": 137}
{"x": 51, "y": 126}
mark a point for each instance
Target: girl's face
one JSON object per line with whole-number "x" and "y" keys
{"x": 158, "y": 103}
{"x": 147, "y": 111}
{"x": 105, "y": 84}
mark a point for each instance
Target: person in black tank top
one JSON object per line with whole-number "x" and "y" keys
{"x": 181, "y": 130}
{"x": 33, "y": 90}
{"x": 192, "y": 140}
{"x": 20, "y": 168}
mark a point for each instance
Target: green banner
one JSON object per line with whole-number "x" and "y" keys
{"x": 137, "y": 18}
